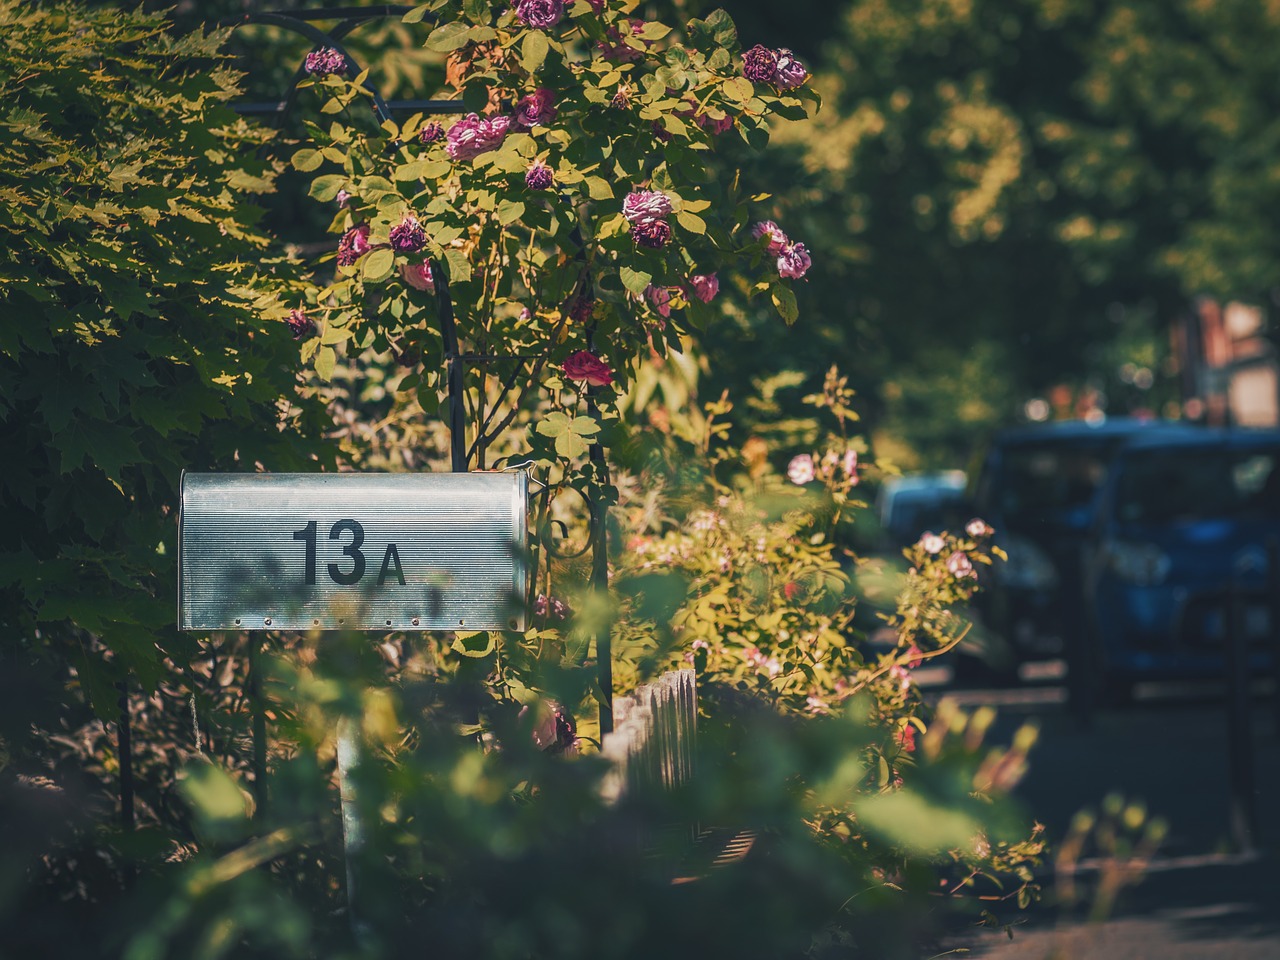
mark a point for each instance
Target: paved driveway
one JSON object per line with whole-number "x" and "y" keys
{"x": 1200, "y": 899}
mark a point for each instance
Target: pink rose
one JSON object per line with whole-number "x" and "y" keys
{"x": 418, "y": 276}
{"x": 471, "y": 136}
{"x": 659, "y": 298}
{"x": 704, "y": 286}
{"x": 778, "y": 240}
{"x": 646, "y": 206}
{"x": 794, "y": 262}
{"x": 585, "y": 365}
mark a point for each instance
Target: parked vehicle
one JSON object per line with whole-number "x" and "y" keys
{"x": 1182, "y": 521}
{"x": 910, "y": 505}
{"x": 1038, "y": 487}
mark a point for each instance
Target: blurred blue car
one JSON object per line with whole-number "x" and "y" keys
{"x": 1038, "y": 487}
{"x": 1183, "y": 519}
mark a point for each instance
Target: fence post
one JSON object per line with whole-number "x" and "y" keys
{"x": 1239, "y": 725}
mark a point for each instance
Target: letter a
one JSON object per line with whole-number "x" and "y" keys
{"x": 391, "y": 556}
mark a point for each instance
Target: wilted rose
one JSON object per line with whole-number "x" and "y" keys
{"x": 408, "y": 236}
{"x": 536, "y": 110}
{"x": 539, "y": 176}
{"x": 300, "y": 325}
{"x": 760, "y": 64}
{"x": 540, "y": 14}
{"x": 353, "y": 245}
{"x": 651, "y": 233}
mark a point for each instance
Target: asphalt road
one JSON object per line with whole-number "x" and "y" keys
{"x": 1200, "y": 895}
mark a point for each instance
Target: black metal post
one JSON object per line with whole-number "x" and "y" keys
{"x": 1243, "y": 817}
{"x": 1273, "y": 596}
{"x": 258, "y": 712}
{"x": 454, "y": 371}
{"x": 600, "y": 586}
{"x": 124, "y": 749}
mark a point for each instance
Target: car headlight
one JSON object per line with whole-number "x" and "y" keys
{"x": 1143, "y": 564}
{"x": 1028, "y": 566}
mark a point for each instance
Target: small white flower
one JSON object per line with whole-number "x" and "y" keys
{"x": 978, "y": 527}
{"x": 800, "y": 470}
{"x": 932, "y": 543}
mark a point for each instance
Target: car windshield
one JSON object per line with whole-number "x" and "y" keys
{"x": 1162, "y": 486}
{"x": 1048, "y": 479}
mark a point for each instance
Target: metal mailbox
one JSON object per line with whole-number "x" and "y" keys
{"x": 353, "y": 551}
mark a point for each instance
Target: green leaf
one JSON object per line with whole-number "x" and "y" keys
{"x": 459, "y": 266}
{"x": 635, "y": 280}
{"x": 738, "y": 89}
{"x": 785, "y": 302}
{"x": 306, "y": 160}
{"x": 449, "y": 36}
{"x": 533, "y": 50}
{"x": 584, "y": 426}
{"x": 334, "y": 334}
{"x": 326, "y": 188}
{"x": 509, "y": 211}
{"x": 473, "y": 644}
{"x": 570, "y": 445}
{"x": 691, "y": 222}
{"x": 326, "y": 360}
{"x": 377, "y": 264}
{"x": 554, "y": 424}
{"x": 598, "y": 188}
{"x": 417, "y": 13}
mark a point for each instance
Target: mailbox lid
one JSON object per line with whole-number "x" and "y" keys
{"x": 353, "y": 551}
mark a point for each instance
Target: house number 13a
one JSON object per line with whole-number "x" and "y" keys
{"x": 390, "y": 559}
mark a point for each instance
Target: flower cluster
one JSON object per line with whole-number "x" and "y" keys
{"x": 646, "y": 211}
{"x": 780, "y": 67}
{"x": 804, "y": 469}
{"x": 472, "y": 136}
{"x": 585, "y": 365}
{"x": 793, "y": 258}
{"x": 324, "y": 62}
{"x": 430, "y": 133}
